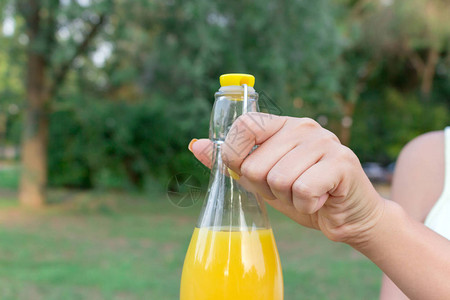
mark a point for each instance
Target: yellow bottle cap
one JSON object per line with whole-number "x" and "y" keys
{"x": 237, "y": 79}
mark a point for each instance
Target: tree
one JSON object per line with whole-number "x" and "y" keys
{"x": 170, "y": 55}
{"x": 11, "y": 74}
{"x": 424, "y": 39}
{"x": 324, "y": 59}
{"x": 42, "y": 82}
{"x": 417, "y": 30}
{"x": 375, "y": 32}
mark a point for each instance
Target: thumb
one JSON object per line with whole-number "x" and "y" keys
{"x": 202, "y": 149}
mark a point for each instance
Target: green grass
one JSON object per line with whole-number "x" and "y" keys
{"x": 117, "y": 246}
{"x": 9, "y": 176}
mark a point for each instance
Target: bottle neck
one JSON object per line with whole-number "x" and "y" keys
{"x": 230, "y": 103}
{"x": 228, "y": 205}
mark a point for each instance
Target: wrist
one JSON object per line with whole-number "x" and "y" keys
{"x": 414, "y": 257}
{"x": 392, "y": 217}
{"x": 362, "y": 230}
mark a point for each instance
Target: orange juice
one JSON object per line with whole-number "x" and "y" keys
{"x": 232, "y": 265}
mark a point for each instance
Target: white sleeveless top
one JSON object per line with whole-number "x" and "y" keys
{"x": 439, "y": 217}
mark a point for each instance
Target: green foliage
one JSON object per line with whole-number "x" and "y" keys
{"x": 124, "y": 121}
{"x": 289, "y": 47}
{"x": 391, "y": 119}
{"x": 174, "y": 69}
{"x": 115, "y": 145}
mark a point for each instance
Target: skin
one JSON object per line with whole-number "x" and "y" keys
{"x": 417, "y": 184}
{"x": 303, "y": 171}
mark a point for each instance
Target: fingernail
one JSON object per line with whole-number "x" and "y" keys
{"x": 233, "y": 174}
{"x": 191, "y": 143}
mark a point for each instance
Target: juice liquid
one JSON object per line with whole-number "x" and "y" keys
{"x": 232, "y": 265}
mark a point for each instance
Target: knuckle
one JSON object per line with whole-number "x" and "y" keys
{"x": 322, "y": 141}
{"x": 251, "y": 171}
{"x": 278, "y": 182}
{"x": 303, "y": 206}
{"x": 242, "y": 120}
{"x": 227, "y": 154}
{"x": 329, "y": 137}
{"x": 308, "y": 122}
{"x": 302, "y": 190}
{"x": 239, "y": 134}
{"x": 302, "y": 125}
{"x": 246, "y": 122}
{"x": 325, "y": 140}
{"x": 347, "y": 156}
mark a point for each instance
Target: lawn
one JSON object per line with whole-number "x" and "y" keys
{"x": 9, "y": 175}
{"x": 93, "y": 245}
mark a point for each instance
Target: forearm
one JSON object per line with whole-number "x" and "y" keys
{"x": 414, "y": 257}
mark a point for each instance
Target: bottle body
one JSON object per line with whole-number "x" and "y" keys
{"x": 224, "y": 264}
{"x": 232, "y": 253}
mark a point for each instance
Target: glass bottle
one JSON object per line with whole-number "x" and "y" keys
{"x": 232, "y": 254}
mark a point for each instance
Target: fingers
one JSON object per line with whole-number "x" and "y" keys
{"x": 297, "y": 161}
{"x": 202, "y": 149}
{"x": 286, "y": 171}
{"x": 257, "y": 165}
{"x": 247, "y": 131}
{"x": 313, "y": 188}
{"x": 309, "y": 151}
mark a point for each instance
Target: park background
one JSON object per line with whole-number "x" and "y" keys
{"x": 99, "y": 100}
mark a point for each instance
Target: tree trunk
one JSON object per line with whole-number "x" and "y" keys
{"x": 35, "y": 136}
{"x": 3, "y": 121}
{"x": 428, "y": 73}
{"x": 346, "y": 123}
{"x": 41, "y": 35}
{"x": 35, "y": 130}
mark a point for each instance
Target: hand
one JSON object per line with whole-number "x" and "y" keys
{"x": 302, "y": 170}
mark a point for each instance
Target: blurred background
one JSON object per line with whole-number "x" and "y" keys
{"x": 99, "y": 100}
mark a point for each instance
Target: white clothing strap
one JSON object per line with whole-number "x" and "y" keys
{"x": 439, "y": 217}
